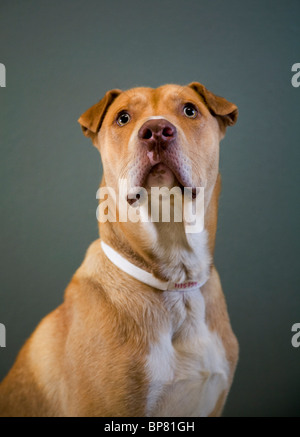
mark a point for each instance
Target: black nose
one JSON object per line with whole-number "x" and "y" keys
{"x": 157, "y": 132}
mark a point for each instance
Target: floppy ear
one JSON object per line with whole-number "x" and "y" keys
{"x": 225, "y": 112}
{"x": 92, "y": 119}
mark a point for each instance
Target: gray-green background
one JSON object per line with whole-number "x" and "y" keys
{"x": 61, "y": 57}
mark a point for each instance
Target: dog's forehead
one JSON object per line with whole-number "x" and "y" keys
{"x": 155, "y": 96}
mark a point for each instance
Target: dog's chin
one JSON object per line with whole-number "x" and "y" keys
{"x": 160, "y": 175}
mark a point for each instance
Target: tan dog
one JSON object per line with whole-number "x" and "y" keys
{"x": 118, "y": 346}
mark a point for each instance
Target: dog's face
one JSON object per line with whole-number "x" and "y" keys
{"x": 168, "y": 136}
{"x": 165, "y": 137}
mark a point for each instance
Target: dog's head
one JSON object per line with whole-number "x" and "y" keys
{"x": 164, "y": 137}
{"x": 168, "y": 136}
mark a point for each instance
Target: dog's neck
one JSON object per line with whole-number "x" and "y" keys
{"x": 164, "y": 249}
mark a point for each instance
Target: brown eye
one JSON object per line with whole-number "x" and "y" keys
{"x": 190, "y": 111}
{"x": 123, "y": 119}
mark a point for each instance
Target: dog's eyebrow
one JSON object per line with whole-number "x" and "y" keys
{"x": 126, "y": 92}
{"x": 137, "y": 98}
{"x": 180, "y": 91}
{"x": 175, "y": 95}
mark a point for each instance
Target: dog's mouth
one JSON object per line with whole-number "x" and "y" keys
{"x": 160, "y": 174}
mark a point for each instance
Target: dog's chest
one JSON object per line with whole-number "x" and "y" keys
{"x": 186, "y": 365}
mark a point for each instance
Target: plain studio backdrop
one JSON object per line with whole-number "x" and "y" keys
{"x": 61, "y": 57}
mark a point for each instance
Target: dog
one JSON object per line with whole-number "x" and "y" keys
{"x": 143, "y": 329}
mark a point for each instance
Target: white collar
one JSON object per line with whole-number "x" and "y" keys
{"x": 146, "y": 277}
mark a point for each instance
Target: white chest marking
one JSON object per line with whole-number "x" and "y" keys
{"x": 187, "y": 366}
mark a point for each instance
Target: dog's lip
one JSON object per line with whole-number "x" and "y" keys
{"x": 155, "y": 165}
{"x": 133, "y": 198}
{"x": 193, "y": 191}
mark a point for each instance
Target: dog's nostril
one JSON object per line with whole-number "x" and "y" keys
{"x": 147, "y": 134}
{"x": 167, "y": 132}
{"x": 157, "y": 131}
